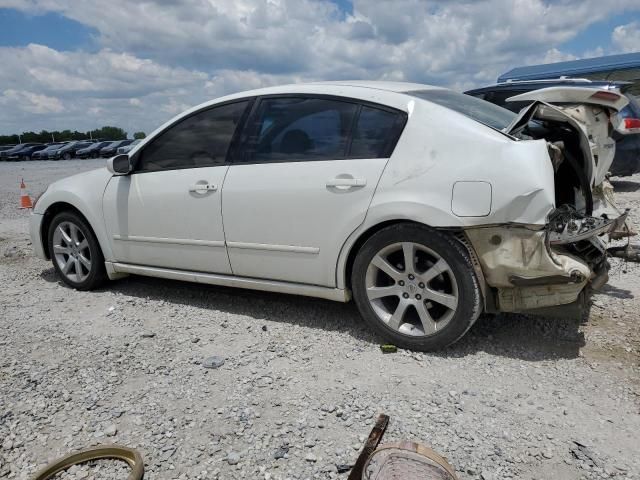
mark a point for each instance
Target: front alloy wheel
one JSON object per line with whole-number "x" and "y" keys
{"x": 416, "y": 287}
{"x": 75, "y": 251}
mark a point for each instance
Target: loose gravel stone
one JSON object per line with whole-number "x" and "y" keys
{"x": 213, "y": 362}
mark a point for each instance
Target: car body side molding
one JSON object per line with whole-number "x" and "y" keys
{"x": 339, "y": 295}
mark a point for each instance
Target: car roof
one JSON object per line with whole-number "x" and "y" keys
{"x": 348, "y": 88}
{"x": 398, "y": 87}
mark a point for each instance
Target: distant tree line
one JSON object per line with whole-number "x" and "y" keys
{"x": 45, "y": 136}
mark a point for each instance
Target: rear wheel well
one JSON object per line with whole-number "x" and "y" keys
{"x": 355, "y": 248}
{"x": 50, "y": 213}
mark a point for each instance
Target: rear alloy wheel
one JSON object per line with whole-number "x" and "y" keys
{"x": 67, "y": 156}
{"x": 75, "y": 252}
{"x": 416, "y": 287}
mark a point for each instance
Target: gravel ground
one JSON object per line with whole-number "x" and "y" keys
{"x": 303, "y": 380}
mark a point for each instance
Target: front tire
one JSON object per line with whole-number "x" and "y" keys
{"x": 416, "y": 287}
{"x": 75, "y": 252}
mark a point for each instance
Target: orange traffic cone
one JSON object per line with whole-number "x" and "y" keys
{"x": 25, "y": 199}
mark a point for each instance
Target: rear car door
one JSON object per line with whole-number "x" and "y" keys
{"x": 302, "y": 184}
{"x": 167, "y": 213}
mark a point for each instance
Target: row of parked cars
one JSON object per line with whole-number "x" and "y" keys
{"x": 66, "y": 150}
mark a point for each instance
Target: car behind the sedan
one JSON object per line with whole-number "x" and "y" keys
{"x": 627, "y": 156}
{"x": 111, "y": 149}
{"x": 26, "y": 152}
{"x": 68, "y": 150}
{"x": 423, "y": 205}
{"x": 92, "y": 151}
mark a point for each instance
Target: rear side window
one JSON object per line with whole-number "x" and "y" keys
{"x": 300, "y": 129}
{"x": 308, "y": 129}
{"x": 376, "y": 133}
{"x": 479, "y": 110}
{"x": 199, "y": 140}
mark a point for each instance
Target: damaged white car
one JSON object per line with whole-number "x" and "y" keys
{"x": 426, "y": 206}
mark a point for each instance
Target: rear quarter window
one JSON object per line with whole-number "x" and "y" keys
{"x": 479, "y": 110}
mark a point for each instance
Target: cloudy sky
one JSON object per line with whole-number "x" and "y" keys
{"x": 86, "y": 63}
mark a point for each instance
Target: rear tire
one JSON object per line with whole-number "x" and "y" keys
{"x": 416, "y": 287}
{"x": 75, "y": 252}
{"x": 67, "y": 156}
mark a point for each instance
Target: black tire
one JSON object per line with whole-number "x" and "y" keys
{"x": 67, "y": 156}
{"x": 94, "y": 155}
{"x": 469, "y": 304}
{"x": 97, "y": 273}
{"x": 28, "y": 158}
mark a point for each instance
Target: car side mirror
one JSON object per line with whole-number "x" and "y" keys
{"x": 119, "y": 165}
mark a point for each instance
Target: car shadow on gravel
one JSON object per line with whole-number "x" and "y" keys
{"x": 616, "y": 292}
{"x": 524, "y": 337}
{"x": 625, "y": 186}
{"x": 507, "y": 335}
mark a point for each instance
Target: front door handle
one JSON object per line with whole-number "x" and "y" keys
{"x": 203, "y": 187}
{"x": 346, "y": 182}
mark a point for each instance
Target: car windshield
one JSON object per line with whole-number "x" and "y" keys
{"x": 472, "y": 107}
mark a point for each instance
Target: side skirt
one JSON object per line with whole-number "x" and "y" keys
{"x": 117, "y": 270}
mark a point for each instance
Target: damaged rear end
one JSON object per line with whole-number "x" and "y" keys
{"x": 552, "y": 268}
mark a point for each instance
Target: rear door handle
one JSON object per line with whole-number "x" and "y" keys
{"x": 203, "y": 187}
{"x": 347, "y": 182}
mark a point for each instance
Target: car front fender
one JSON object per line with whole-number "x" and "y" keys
{"x": 84, "y": 193}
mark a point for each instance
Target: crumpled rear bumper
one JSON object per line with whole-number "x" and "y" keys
{"x": 528, "y": 268}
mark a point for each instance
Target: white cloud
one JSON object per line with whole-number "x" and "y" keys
{"x": 626, "y": 38}
{"x": 30, "y": 102}
{"x": 156, "y": 56}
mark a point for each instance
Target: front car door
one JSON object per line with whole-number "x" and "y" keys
{"x": 302, "y": 184}
{"x": 167, "y": 213}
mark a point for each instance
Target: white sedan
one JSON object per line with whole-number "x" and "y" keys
{"x": 426, "y": 206}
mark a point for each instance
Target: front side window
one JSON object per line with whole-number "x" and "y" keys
{"x": 300, "y": 129}
{"x": 200, "y": 140}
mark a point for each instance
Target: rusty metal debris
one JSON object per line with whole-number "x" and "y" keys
{"x": 398, "y": 461}
{"x": 630, "y": 252}
{"x": 116, "y": 452}
{"x": 370, "y": 445}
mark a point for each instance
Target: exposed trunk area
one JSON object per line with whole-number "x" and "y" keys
{"x": 530, "y": 270}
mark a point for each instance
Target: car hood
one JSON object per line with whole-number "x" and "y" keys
{"x": 93, "y": 180}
